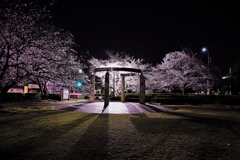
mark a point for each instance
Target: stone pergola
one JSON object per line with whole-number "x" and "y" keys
{"x": 133, "y": 72}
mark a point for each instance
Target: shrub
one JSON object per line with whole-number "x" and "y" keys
{"x": 32, "y": 96}
{"x": 228, "y": 100}
{"x": 54, "y": 96}
{"x": 8, "y": 97}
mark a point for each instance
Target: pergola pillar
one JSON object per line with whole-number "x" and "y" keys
{"x": 142, "y": 90}
{"x": 92, "y": 89}
{"x": 123, "y": 89}
{"x": 106, "y": 90}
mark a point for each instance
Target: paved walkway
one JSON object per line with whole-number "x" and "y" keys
{"x": 112, "y": 108}
{"x": 83, "y": 105}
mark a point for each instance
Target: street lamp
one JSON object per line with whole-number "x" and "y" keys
{"x": 204, "y": 49}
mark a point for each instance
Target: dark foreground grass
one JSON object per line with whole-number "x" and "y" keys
{"x": 189, "y": 132}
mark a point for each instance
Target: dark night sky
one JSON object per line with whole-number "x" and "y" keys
{"x": 149, "y": 30}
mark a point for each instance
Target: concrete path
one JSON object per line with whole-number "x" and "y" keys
{"x": 112, "y": 108}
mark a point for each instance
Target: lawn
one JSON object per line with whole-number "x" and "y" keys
{"x": 189, "y": 132}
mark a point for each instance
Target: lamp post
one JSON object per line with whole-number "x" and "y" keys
{"x": 204, "y": 49}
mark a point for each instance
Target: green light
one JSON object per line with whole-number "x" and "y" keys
{"x": 79, "y": 84}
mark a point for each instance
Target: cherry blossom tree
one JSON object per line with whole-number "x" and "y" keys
{"x": 122, "y": 60}
{"x": 55, "y": 61}
{"x": 158, "y": 80}
{"x": 182, "y": 70}
{"x": 34, "y": 49}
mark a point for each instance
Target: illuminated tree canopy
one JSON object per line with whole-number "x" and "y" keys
{"x": 180, "y": 70}
{"x": 34, "y": 49}
{"x": 120, "y": 60}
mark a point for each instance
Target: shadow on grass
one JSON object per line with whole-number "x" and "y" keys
{"x": 44, "y": 136}
{"x": 71, "y": 108}
{"x": 68, "y": 109}
{"x": 197, "y": 118}
{"x": 93, "y": 143}
{"x": 197, "y": 137}
{"x": 27, "y": 116}
{"x": 213, "y": 122}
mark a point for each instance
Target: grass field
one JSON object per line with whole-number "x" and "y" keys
{"x": 189, "y": 132}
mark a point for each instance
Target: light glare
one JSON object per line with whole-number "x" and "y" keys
{"x": 204, "y": 49}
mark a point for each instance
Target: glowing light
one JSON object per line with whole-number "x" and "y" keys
{"x": 79, "y": 84}
{"x": 204, "y": 49}
{"x": 80, "y": 71}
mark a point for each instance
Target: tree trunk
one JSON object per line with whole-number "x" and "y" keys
{"x": 183, "y": 90}
{"x": 42, "y": 87}
{"x": 44, "y": 92}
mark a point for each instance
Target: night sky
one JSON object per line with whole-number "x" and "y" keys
{"x": 149, "y": 30}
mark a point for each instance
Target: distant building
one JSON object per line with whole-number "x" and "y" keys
{"x": 30, "y": 88}
{"x": 16, "y": 90}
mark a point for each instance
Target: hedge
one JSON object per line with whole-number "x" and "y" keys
{"x": 156, "y": 98}
{"x": 9, "y": 97}
{"x": 228, "y": 100}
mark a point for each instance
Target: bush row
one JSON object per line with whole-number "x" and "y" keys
{"x": 188, "y": 99}
{"x": 228, "y": 100}
{"x": 156, "y": 98}
{"x": 9, "y": 97}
